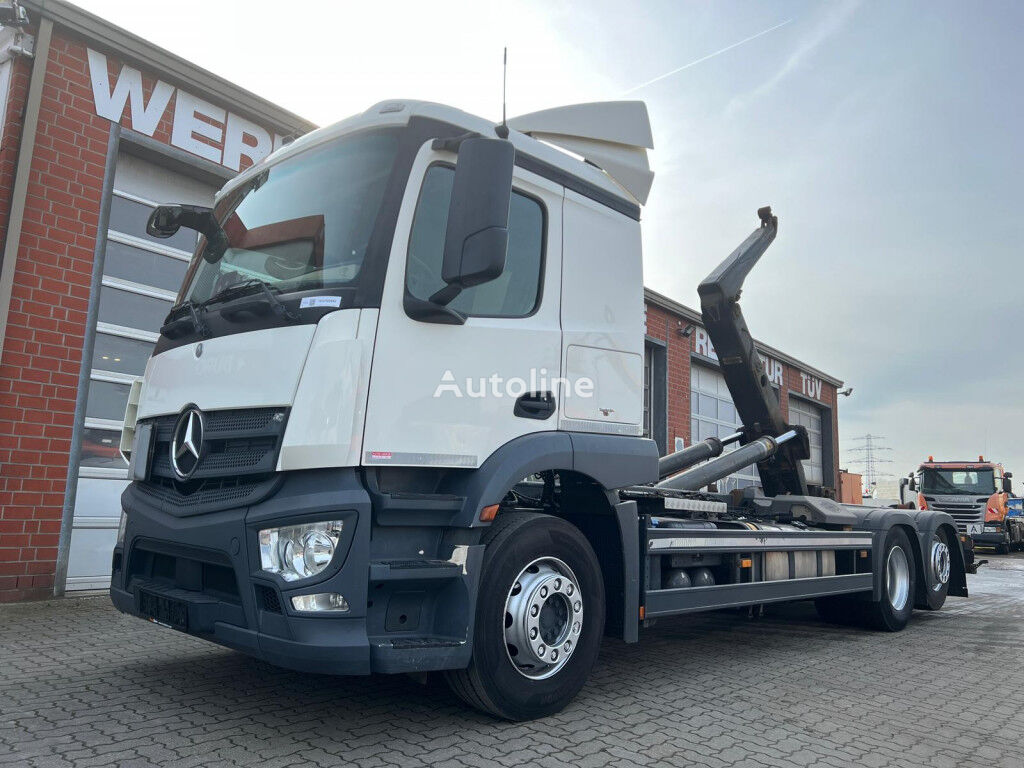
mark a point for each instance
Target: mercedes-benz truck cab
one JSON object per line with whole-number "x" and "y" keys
{"x": 393, "y": 422}
{"x": 373, "y": 343}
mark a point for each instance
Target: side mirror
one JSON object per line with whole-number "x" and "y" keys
{"x": 166, "y": 220}
{"x": 1007, "y": 484}
{"x": 476, "y": 240}
{"x": 904, "y": 482}
{"x": 1008, "y": 475}
{"x": 912, "y": 483}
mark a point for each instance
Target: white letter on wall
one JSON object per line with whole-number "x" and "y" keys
{"x": 235, "y": 146}
{"x": 186, "y": 107}
{"x": 145, "y": 117}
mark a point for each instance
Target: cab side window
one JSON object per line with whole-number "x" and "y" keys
{"x": 516, "y": 293}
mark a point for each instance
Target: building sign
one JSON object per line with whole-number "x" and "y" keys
{"x": 810, "y": 386}
{"x": 772, "y": 368}
{"x": 192, "y": 120}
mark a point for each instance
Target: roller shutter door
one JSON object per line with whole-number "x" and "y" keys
{"x": 141, "y": 277}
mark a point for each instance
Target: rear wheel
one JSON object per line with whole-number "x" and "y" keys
{"x": 892, "y": 611}
{"x": 539, "y": 619}
{"x": 938, "y": 566}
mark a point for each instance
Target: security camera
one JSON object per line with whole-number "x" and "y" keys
{"x": 12, "y": 14}
{"x": 846, "y": 392}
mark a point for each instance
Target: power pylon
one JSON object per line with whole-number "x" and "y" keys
{"x": 870, "y": 459}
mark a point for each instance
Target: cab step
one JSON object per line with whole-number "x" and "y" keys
{"x": 413, "y": 570}
{"x": 418, "y": 653}
{"x": 419, "y": 643}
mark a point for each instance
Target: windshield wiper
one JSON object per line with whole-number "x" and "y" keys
{"x": 268, "y": 298}
{"x": 193, "y": 322}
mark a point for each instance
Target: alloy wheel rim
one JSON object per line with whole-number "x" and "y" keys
{"x": 543, "y": 618}
{"x": 940, "y": 564}
{"x": 897, "y": 578}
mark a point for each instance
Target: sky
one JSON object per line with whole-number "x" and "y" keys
{"x": 887, "y": 136}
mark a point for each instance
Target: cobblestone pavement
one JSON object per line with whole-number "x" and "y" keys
{"x": 82, "y": 685}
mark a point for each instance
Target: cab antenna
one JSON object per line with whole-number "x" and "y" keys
{"x": 502, "y": 130}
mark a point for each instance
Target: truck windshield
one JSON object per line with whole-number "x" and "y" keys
{"x": 966, "y": 482}
{"x": 303, "y": 223}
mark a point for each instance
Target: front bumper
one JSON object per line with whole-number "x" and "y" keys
{"x": 209, "y": 566}
{"x": 989, "y": 538}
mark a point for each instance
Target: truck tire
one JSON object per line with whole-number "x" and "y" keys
{"x": 899, "y": 580}
{"x": 938, "y": 565}
{"x": 539, "y": 619}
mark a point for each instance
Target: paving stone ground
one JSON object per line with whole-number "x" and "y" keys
{"x": 82, "y": 685}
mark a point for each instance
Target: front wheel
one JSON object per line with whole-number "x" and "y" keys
{"x": 539, "y": 619}
{"x": 892, "y": 611}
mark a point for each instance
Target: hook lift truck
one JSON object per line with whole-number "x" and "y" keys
{"x": 302, "y": 492}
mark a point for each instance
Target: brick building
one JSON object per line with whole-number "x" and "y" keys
{"x": 98, "y": 126}
{"x": 686, "y": 400}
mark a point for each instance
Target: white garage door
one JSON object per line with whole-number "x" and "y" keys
{"x": 809, "y": 416}
{"x": 712, "y": 414}
{"x": 141, "y": 277}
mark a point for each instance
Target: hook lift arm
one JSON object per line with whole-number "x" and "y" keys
{"x": 744, "y": 373}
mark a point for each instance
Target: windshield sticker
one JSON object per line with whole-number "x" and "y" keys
{"x": 320, "y": 301}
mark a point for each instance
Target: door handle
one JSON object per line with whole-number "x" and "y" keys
{"x": 535, "y": 405}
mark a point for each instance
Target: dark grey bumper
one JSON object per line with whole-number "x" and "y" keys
{"x": 209, "y": 563}
{"x": 989, "y": 539}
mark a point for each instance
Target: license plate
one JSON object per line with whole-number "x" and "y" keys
{"x": 165, "y": 611}
{"x": 974, "y": 527}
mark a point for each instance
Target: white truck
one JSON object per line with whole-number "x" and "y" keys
{"x": 393, "y": 422}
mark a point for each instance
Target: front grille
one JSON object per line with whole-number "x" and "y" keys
{"x": 238, "y": 442}
{"x": 209, "y": 495}
{"x": 962, "y": 512}
{"x": 237, "y": 463}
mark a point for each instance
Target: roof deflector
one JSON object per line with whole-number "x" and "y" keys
{"x": 613, "y": 135}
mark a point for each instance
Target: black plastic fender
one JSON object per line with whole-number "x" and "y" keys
{"x": 922, "y": 524}
{"x": 613, "y": 461}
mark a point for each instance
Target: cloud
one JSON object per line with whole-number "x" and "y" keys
{"x": 820, "y": 33}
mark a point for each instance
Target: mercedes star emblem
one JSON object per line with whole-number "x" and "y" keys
{"x": 187, "y": 443}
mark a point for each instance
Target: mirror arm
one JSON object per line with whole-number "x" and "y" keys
{"x": 429, "y": 312}
{"x": 446, "y": 295}
{"x": 203, "y": 221}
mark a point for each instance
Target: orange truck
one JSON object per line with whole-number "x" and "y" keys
{"x": 977, "y": 494}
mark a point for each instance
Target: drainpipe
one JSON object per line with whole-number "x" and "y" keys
{"x": 78, "y": 430}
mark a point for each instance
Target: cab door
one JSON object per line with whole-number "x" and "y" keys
{"x": 450, "y": 395}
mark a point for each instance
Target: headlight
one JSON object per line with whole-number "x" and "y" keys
{"x": 299, "y": 551}
{"x": 121, "y": 528}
